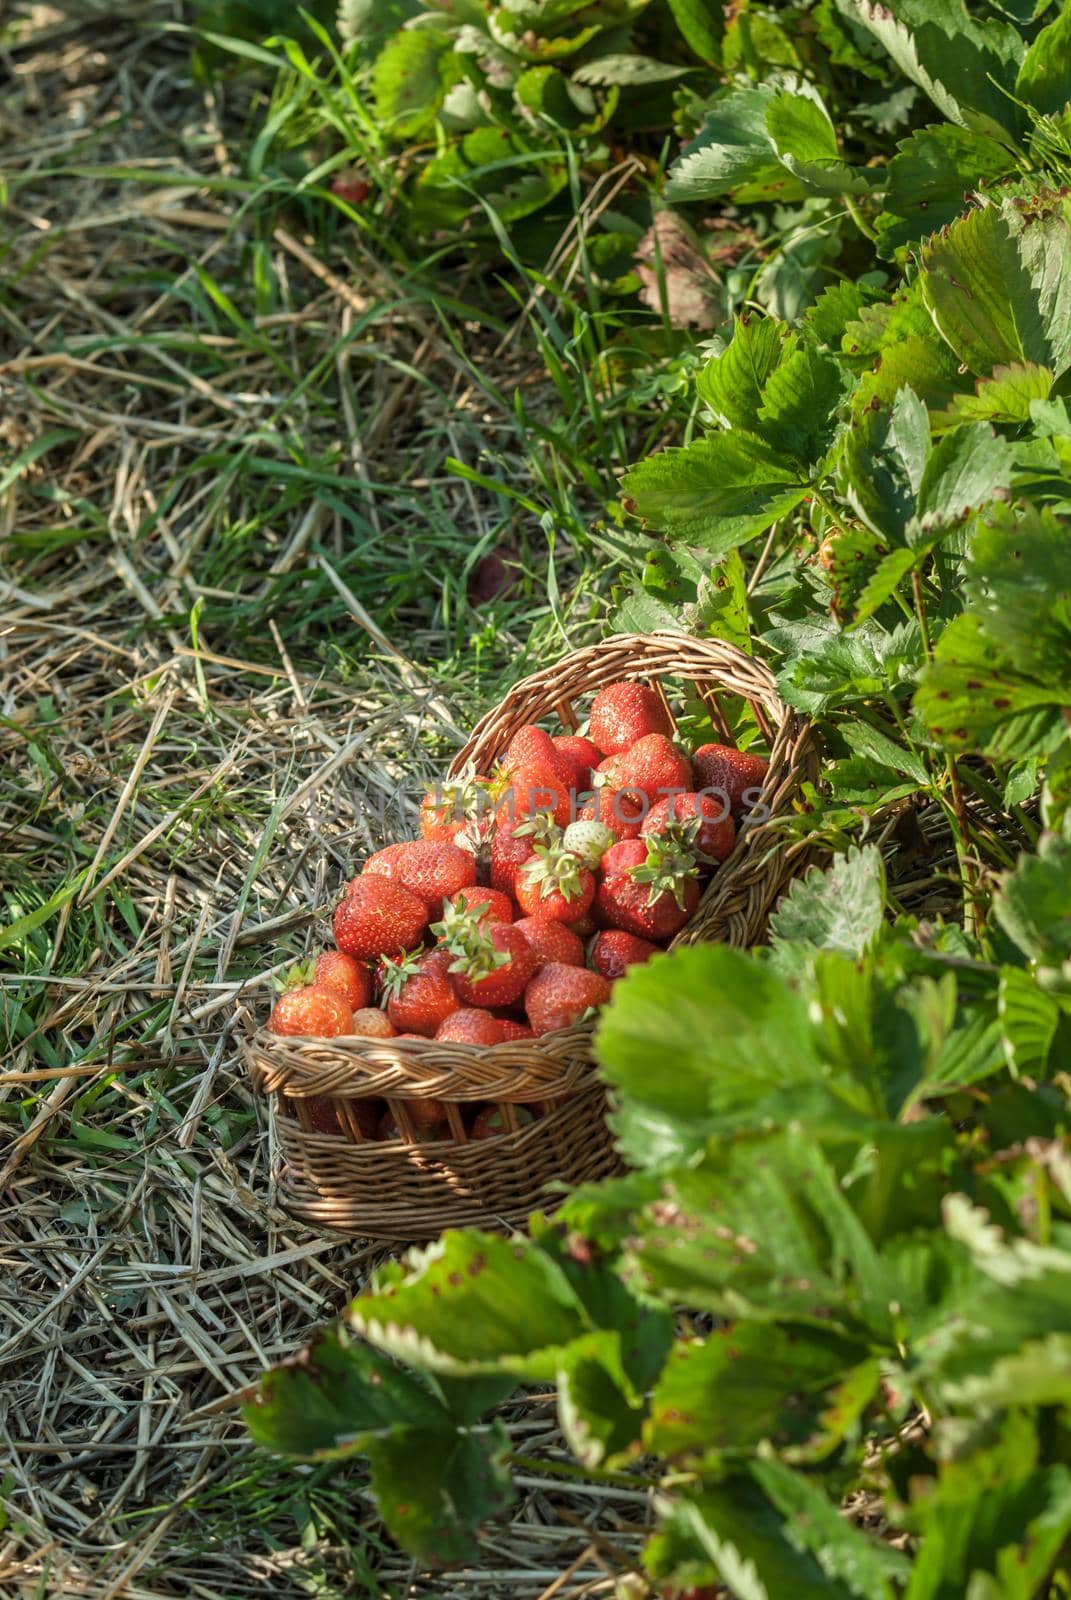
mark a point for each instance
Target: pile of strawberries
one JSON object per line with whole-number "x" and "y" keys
{"x": 530, "y": 891}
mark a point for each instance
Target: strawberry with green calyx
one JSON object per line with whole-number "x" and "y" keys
{"x": 457, "y": 806}
{"x": 336, "y": 970}
{"x": 492, "y": 968}
{"x": 648, "y": 887}
{"x": 554, "y": 884}
{"x": 624, "y": 712}
{"x": 378, "y": 916}
{"x": 471, "y": 1025}
{"x": 655, "y": 766}
{"x": 613, "y": 951}
{"x": 514, "y": 843}
{"x": 559, "y": 995}
{"x": 730, "y": 774}
{"x": 582, "y": 758}
{"x": 489, "y": 905}
{"x": 311, "y": 1013}
{"x": 696, "y": 822}
{"x": 491, "y": 1121}
{"x": 467, "y": 913}
{"x": 589, "y": 840}
{"x": 418, "y": 992}
{"x": 551, "y": 941}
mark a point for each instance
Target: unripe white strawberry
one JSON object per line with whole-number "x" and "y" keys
{"x": 588, "y": 840}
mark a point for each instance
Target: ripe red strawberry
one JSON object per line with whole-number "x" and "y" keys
{"x": 620, "y": 810}
{"x": 311, "y": 1013}
{"x": 490, "y": 905}
{"x": 512, "y": 1029}
{"x": 336, "y": 970}
{"x": 532, "y": 746}
{"x": 559, "y": 995}
{"x": 366, "y": 1114}
{"x": 348, "y": 184}
{"x": 378, "y": 917}
{"x": 698, "y": 820}
{"x": 623, "y": 712}
{"x": 389, "y": 1129}
{"x": 551, "y": 941}
{"x": 321, "y": 1109}
{"x": 533, "y": 789}
{"x": 727, "y": 771}
{"x": 655, "y": 766}
{"x": 426, "y": 1113}
{"x": 372, "y": 1023}
{"x": 491, "y": 1121}
{"x": 512, "y": 845}
{"x": 471, "y": 1026}
{"x": 581, "y": 756}
{"x": 648, "y": 887}
{"x": 613, "y": 951}
{"x": 456, "y": 806}
{"x": 431, "y": 868}
{"x": 554, "y": 883}
{"x": 493, "y": 969}
{"x": 384, "y": 863}
{"x": 420, "y": 994}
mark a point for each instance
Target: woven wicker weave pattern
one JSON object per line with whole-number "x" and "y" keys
{"x": 411, "y": 1191}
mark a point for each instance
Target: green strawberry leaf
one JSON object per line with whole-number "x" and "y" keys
{"x": 436, "y": 1491}
{"x": 965, "y": 471}
{"x": 999, "y": 286}
{"x": 1006, "y": 396}
{"x": 733, "y": 1531}
{"x": 721, "y": 1397}
{"x": 731, "y": 150}
{"x": 716, "y": 992}
{"x": 1018, "y": 583}
{"x": 1044, "y": 80}
{"x": 334, "y": 1396}
{"x": 930, "y": 180}
{"x": 973, "y": 697}
{"x": 866, "y": 1565}
{"x": 841, "y": 909}
{"x": 1029, "y": 1020}
{"x": 475, "y": 1303}
{"x": 805, "y": 140}
{"x": 992, "y": 1522}
{"x": 1033, "y": 904}
{"x": 799, "y": 406}
{"x": 701, "y": 27}
{"x": 732, "y": 383}
{"x": 717, "y": 492}
{"x": 968, "y": 68}
{"x": 410, "y": 78}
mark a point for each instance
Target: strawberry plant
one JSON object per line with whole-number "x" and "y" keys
{"x": 838, "y": 1272}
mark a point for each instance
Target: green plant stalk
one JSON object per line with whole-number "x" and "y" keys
{"x": 971, "y": 911}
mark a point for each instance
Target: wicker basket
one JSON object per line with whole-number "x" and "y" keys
{"x": 411, "y": 1191}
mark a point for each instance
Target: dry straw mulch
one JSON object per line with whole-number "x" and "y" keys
{"x": 192, "y": 804}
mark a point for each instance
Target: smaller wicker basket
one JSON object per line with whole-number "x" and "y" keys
{"x": 405, "y": 1190}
